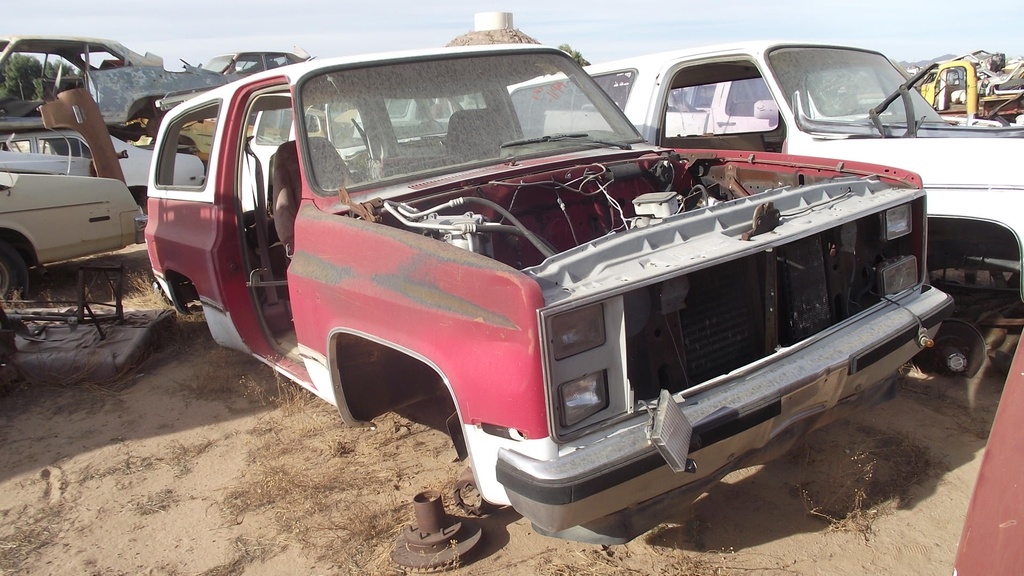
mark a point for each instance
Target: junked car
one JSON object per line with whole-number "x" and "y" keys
{"x": 67, "y": 152}
{"x": 245, "y": 63}
{"x": 47, "y": 217}
{"x": 614, "y": 325}
{"x": 124, "y": 83}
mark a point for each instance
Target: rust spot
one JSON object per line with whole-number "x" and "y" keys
{"x": 431, "y": 296}
{"x": 318, "y": 269}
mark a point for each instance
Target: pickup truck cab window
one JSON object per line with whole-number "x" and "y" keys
{"x": 617, "y": 85}
{"x": 730, "y": 107}
{"x": 196, "y": 131}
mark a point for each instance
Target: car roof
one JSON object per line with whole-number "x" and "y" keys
{"x": 658, "y": 59}
{"x": 250, "y": 52}
{"x": 29, "y": 43}
{"x": 292, "y": 72}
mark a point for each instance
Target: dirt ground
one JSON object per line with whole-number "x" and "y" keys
{"x": 201, "y": 462}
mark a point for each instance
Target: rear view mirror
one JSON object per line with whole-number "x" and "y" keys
{"x": 313, "y": 125}
{"x": 767, "y": 110}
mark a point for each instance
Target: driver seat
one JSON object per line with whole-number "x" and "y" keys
{"x": 287, "y": 193}
{"x": 477, "y": 134}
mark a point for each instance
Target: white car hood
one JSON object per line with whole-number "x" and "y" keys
{"x": 941, "y": 162}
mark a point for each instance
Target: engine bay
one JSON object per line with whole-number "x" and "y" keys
{"x": 524, "y": 219}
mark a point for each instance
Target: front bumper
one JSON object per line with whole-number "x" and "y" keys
{"x": 619, "y": 486}
{"x": 140, "y": 222}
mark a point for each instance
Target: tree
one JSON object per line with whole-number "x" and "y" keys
{"x": 575, "y": 55}
{"x": 21, "y": 76}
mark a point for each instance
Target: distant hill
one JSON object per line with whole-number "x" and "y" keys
{"x": 923, "y": 63}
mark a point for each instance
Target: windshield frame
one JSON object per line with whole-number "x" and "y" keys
{"x": 793, "y": 65}
{"x": 481, "y": 80}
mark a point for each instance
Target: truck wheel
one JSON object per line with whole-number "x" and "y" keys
{"x": 13, "y": 272}
{"x": 959, "y": 350}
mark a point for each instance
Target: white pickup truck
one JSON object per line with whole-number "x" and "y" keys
{"x": 839, "y": 102}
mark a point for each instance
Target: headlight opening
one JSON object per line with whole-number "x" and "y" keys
{"x": 577, "y": 331}
{"x": 581, "y": 398}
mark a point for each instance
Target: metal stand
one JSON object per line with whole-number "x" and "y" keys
{"x": 86, "y": 309}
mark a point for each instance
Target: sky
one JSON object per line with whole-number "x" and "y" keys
{"x": 601, "y": 30}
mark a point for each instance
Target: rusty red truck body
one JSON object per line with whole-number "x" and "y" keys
{"x": 615, "y": 325}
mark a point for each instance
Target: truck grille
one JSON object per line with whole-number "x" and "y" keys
{"x": 687, "y": 330}
{"x": 803, "y": 294}
{"x": 720, "y": 321}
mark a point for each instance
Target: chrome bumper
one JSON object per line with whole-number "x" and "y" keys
{"x": 140, "y": 228}
{"x": 620, "y": 486}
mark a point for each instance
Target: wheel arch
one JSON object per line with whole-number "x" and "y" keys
{"x": 371, "y": 377}
{"x": 140, "y": 193}
{"x": 952, "y": 239}
{"x": 180, "y": 290}
{"x": 22, "y": 244}
{"x": 974, "y": 244}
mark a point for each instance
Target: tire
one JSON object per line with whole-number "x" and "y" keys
{"x": 13, "y": 272}
{"x": 139, "y": 194}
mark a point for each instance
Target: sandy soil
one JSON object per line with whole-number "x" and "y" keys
{"x": 203, "y": 463}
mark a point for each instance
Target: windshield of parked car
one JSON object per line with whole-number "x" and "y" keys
{"x": 833, "y": 90}
{"x": 219, "y": 63}
{"x": 421, "y": 117}
{"x": 33, "y": 75}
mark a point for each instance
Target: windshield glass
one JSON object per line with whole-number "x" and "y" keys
{"x": 219, "y": 63}
{"x": 417, "y": 118}
{"x": 831, "y": 88}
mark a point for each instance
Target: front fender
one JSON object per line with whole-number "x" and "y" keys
{"x": 473, "y": 318}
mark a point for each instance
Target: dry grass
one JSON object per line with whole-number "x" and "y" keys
{"x": 140, "y": 294}
{"x": 608, "y": 561}
{"x": 21, "y": 539}
{"x": 293, "y": 400}
{"x": 181, "y": 459}
{"x": 190, "y": 336}
{"x": 252, "y": 550}
{"x": 234, "y": 568}
{"x": 952, "y": 404}
{"x": 307, "y": 478}
{"x": 183, "y": 456}
{"x": 677, "y": 536}
{"x": 127, "y": 466}
{"x": 225, "y": 374}
{"x": 160, "y": 501}
{"x": 871, "y": 478}
{"x": 670, "y": 541}
{"x": 247, "y": 551}
{"x": 323, "y": 509}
